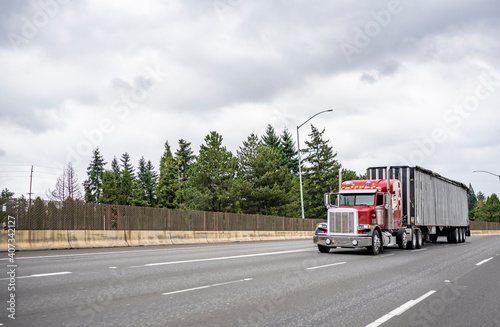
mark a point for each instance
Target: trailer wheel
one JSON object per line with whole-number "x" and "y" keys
{"x": 413, "y": 243}
{"x": 402, "y": 238}
{"x": 376, "y": 244}
{"x": 323, "y": 249}
{"x": 454, "y": 236}
{"x": 460, "y": 235}
{"x": 418, "y": 236}
{"x": 464, "y": 235}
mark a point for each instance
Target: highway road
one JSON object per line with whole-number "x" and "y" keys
{"x": 280, "y": 283}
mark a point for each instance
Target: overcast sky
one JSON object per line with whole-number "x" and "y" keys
{"x": 409, "y": 82}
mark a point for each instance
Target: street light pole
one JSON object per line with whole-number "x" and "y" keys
{"x": 300, "y": 169}
{"x": 484, "y": 171}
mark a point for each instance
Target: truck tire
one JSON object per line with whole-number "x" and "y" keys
{"x": 454, "y": 236}
{"x": 323, "y": 249}
{"x": 460, "y": 235}
{"x": 464, "y": 237}
{"x": 413, "y": 244}
{"x": 375, "y": 249}
{"x": 402, "y": 238}
{"x": 418, "y": 236}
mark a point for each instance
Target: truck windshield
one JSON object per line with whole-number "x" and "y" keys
{"x": 357, "y": 199}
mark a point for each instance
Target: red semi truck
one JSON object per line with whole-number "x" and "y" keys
{"x": 399, "y": 205}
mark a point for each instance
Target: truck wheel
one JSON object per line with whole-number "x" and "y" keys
{"x": 460, "y": 235}
{"x": 464, "y": 237}
{"x": 376, "y": 244}
{"x": 433, "y": 238}
{"x": 402, "y": 238}
{"x": 418, "y": 236}
{"x": 454, "y": 236}
{"x": 323, "y": 249}
{"x": 413, "y": 243}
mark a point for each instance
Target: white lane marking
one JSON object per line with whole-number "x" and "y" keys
{"x": 399, "y": 310}
{"x": 223, "y": 258}
{"x": 418, "y": 250}
{"x": 332, "y": 264}
{"x": 42, "y": 275}
{"x": 112, "y": 252}
{"x": 208, "y": 286}
{"x": 484, "y": 261}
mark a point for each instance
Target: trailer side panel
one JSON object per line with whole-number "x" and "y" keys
{"x": 428, "y": 198}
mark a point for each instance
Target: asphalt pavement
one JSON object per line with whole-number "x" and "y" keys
{"x": 279, "y": 283}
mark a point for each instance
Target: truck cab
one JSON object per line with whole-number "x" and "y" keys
{"x": 367, "y": 214}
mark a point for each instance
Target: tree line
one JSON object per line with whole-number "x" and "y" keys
{"x": 482, "y": 208}
{"x": 261, "y": 178}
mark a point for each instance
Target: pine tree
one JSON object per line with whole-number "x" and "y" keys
{"x": 184, "y": 158}
{"x": 350, "y": 175}
{"x": 320, "y": 174}
{"x": 138, "y": 197}
{"x": 126, "y": 165}
{"x": 288, "y": 151}
{"x": 126, "y": 187}
{"x": 247, "y": 155}
{"x": 115, "y": 168}
{"x": 126, "y": 181}
{"x": 168, "y": 181}
{"x": 93, "y": 184}
{"x": 270, "y": 138}
{"x": 472, "y": 198}
{"x": 263, "y": 182}
{"x": 108, "y": 194}
{"x": 148, "y": 179}
{"x": 211, "y": 177}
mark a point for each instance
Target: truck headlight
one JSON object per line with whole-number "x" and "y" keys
{"x": 328, "y": 241}
{"x": 364, "y": 227}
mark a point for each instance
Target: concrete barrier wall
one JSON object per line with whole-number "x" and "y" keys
{"x": 484, "y": 232}
{"x": 78, "y": 239}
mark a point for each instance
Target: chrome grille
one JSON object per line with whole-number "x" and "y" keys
{"x": 342, "y": 222}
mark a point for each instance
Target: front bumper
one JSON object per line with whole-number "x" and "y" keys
{"x": 343, "y": 241}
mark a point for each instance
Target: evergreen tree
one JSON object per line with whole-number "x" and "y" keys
{"x": 126, "y": 181}
{"x": 93, "y": 184}
{"x": 270, "y": 139}
{"x": 472, "y": 198}
{"x": 320, "y": 174}
{"x": 211, "y": 177}
{"x": 288, "y": 151}
{"x": 168, "y": 181}
{"x": 350, "y": 175}
{"x": 38, "y": 214}
{"x": 148, "y": 179}
{"x": 108, "y": 194}
{"x": 481, "y": 196}
{"x": 263, "y": 182}
{"x": 126, "y": 165}
{"x": 246, "y": 156}
{"x": 138, "y": 197}
{"x": 493, "y": 208}
{"x": 184, "y": 158}
{"x": 126, "y": 186}
{"x": 115, "y": 168}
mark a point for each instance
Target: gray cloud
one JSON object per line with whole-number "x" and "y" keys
{"x": 283, "y": 58}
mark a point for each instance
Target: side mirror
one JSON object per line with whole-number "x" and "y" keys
{"x": 327, "y": 199}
